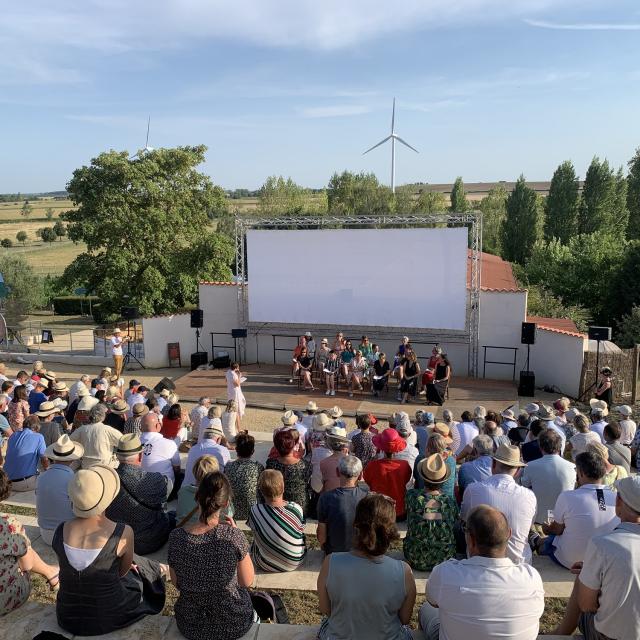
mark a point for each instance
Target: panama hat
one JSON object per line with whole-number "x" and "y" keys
{"x": 629, "y": 491}
{"x": 337, "y": 434}
{"x": 321, "y": 422}
{"x": 389, "y": 441}
{"x": 47, "y": 408}
{"x": 307, "y": 334}
{"x": 531, "y": 408}
{"x": 119, "y": 407}
{"x": 60, "y": 403}
{"x": 92, "y": 490}
{"x": 624, "y": 410}
{"x": 562, "y": 404}
{"x": 87, "y": 403}
{"x": 312, "y": 406}
{"x": 165, "y": 393}
{"x": 213, "y": 430}
{"x": 508, "y": 454}
{"x": 335, "y": 412}
{"x": 60, "y": 387}
{"x": 546, "y": 413}
{"x": 571, "y": 414}
{"x": 139, "y": 409}
{"x": 441, "y": 429}
{"x": 82, "y": 390}
{"x": 434, "y": 469}
{"x": 599, "y": 405}
{"x": 508, "y": 414}
{"x": 129, "y": 445}
{"x": 117, "y": 330}
{"x": 50, "y": 375}
{"x": 64, "y": 448}
{"x": 289, "y": 418}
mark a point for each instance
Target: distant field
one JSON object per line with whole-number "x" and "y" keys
{"x": 11, "y": 210}
{"x": 47, "y": 258}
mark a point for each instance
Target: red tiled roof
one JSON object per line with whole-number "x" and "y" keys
{"x": 167, "y": 315}
{"x": 496, "y": 274}
{"x": 219, "y": 283}
{"x": 557, "y": 325}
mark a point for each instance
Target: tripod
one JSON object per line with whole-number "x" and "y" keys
{"x": 129, "y": 355}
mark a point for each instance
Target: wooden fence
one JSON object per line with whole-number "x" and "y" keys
{"x": 625, "y": 374}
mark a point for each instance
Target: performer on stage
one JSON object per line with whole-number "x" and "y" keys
{"x": 604, "y": 390}
{"x": 437, "y": 389}
{"x": 234, "y": 390}
{"x": 116, "y": 350}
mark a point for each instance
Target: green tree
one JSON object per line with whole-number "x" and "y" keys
{"x": 280, "y": 197}
{"x": 494, "y": 211}
{"x": 521, "y": 225}
{"x": 459, "y": 202}
{"x": 623, "y": 291}
{"x": 633, "y": 196}
{"x": 21, "y": 236}
{"x": 219, "y": 206}
{"x": 541, "y": 302}
{"x": 599, "y": 199}
{"x": 628, "y": 333}
{"x": 431, "y": 202}
{"x": 26, "y": 209}
{"x": 561, "y": 207}
{"x": 620, "y": 214}
{"x": 25, "y": 288}
{"x": 48, "y": 234}
{"x": 358, "y": 193}
{"x": 6, "y": 243}
{"x": 146, "y": 226}
{"x": 49, "y": 213}
{"x": 59, "y": 229}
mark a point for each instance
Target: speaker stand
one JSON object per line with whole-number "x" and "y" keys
{"x": 198, "y": 345}
{"x": 129, "y": 355}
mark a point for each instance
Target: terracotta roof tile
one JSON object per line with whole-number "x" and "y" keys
{"x": 575, "y": 334}
{"x": 563, "y": 324}
{"x": 219, "y": 283}
{"x": 496, "y": 274}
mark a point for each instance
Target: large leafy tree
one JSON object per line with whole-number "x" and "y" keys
{"x": 561, "y": 207}
{"x": 633, "y": 196}
{"x": 431, "y": 202}
{"x": 145, "y": 222}
{"x": 280, "y": 196}
{"x": 521, "y": 225}
{"x": 494, "y": 211}
{"x": 25, "y": 292}
{"x": 459, "y": 202}
{"x": 358, "y": 193}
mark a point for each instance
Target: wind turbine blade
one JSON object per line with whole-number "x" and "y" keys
{"x": 406, "y": 144}
{"x": 146, "y": 144}
{"x": 393, "y": 117}
{"x": 377, "y": 145}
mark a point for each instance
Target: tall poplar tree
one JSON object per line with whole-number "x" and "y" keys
{"x": 521, "y": 224}
{"x": 561, "y": 209}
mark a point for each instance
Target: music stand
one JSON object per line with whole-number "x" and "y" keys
{"x": 129, "y": 355}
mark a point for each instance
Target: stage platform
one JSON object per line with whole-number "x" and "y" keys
{"x": 268, "y": 387}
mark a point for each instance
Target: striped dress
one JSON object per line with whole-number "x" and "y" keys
{"x": 278, "y": 537}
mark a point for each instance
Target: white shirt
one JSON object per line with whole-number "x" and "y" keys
{"x": 582, "y": 517}
{"x": 206, "y": 447}
{"x": 159, "y": 454}
{"x": 628, "y": 428}
{"x": 517, "y": 503}
{"x": 196, "y": 415}
{"x": 486, "y": 598}
{"x": 116, "y": 346}
{"x": 468, "y": 431}
{"x": 579, "y": 442}
{"x": 135, "y": 398}
{"x": 548, "y": 477}
{"x": 162, "y": 402}
{"x": 307, "y": 421}
{"x": 598, "y": 427}
{"x": 409, "y": 453}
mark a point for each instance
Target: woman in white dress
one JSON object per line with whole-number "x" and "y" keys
{"x": 234, "y": 390}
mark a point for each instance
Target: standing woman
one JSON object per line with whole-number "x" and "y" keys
{"x": 604, "y": 390}
{"x": 234, "y": 390}
{"x": 437, "y": 389}
{"x": 410, "y": 373}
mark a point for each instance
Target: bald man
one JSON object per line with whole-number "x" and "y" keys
{"x": 487, "y": 595}
{"x": 160, "y": 454}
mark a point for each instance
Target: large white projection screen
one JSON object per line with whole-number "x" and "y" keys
{"x": 361, "y": 277}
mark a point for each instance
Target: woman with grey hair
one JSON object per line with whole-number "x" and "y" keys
{"x": 338, "y": 443}
{"x": 584, "y": 436}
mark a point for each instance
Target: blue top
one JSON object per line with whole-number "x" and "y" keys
{"x": 337, "y": 510}
{"x": 4, "y": 424}
{"x": 52, "y": 498}
{"x": 474, "y": 471}
{"x": 24, "y": 450}
{"x": 36, "y": 398}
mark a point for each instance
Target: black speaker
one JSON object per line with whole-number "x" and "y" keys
{"x": 165, "y": 383}
{"x": 198, "y": 358}
{"x": 197, "y": 318}
{"x": 599, "y": 333}
{"x": 129, "y": 313}
{"x": 527, "y": 386}
{"x": 528, "y": 333}
{"x": 238, "y": 333}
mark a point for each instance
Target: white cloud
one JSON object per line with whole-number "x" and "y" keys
{"x": 334, "y": 111}
{"x": 584, "y": 26}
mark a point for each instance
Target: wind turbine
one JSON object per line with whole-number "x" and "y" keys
{"x": 393, "y": 137}
{"x": 147, "y": 148}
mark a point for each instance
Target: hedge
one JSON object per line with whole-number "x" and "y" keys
{"x": 74, "y": 305}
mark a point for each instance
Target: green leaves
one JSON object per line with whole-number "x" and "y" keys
{"x": 561, "y": 207}
{"x": 521, "y": 225}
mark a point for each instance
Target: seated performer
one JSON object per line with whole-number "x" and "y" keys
{"x": 437, "y": 389}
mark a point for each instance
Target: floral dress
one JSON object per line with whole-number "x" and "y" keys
{"x": 17, "y": 412}
{"x": 243, "y": 476}
{"x": 429, "y": 540}
{"x": 15, "y": 585}
{"x": 296, "y": 481}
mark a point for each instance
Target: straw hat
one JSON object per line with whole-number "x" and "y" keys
{"x": 64, "y": 448}
{"x": 119, "y": 407}
{"x": 335, "y": 412}
{"x": 546, "y": 413}
{"x": 289, "y": 418}
{"x": 165, "y": 393}
{"x": 324, "y": 341}
{"x": 92, "y": 490}
{"x": 60, "y": 403}
{"x": 624, "y": 410}
{"x": 562, "y": 404}
{"x": 629, "y": 491}
{"x": 87, "y": 403}
{"x": 508, "y": 414}
{"x": 117, "y": 330}
{"x": 82, "y": 390}
{"x": 312, "y": 406}
{"x": 139, "y": 410}
{"x": 508, "y": 454}
{"x": 337, "y": 434}
{"x": 599, "y": 405}
{"x": 441, "y": 429}
{"x": 571, "y": 414}
{"x": 434, "y": 469}
{"x": 213, "y": 429}
{"x": 531, "y": 408}
{"x": 389, "y": 441}
{"x": 129, "y": 445}
{"x": 50, "y": 375}
{"x": 60, "y": 387}
{"x": 321, "y": 422}
{"x": 47, "y": 408}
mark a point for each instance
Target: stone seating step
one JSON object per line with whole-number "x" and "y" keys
{"x": 33, "y": 617}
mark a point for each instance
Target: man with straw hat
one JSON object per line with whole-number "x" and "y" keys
{"x": 599, "y": 411}
{"x": 50, "y": 429}
{"x": 116, "y": 417}
{"x": 53, "y": 505}
{"x": 98, "y": 439}
{"x": 627, "y": 424}
{"x": 501, "y": 491}
{"x": 140, "y": 503}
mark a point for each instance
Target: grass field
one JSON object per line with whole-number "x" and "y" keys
{"x": 47, "y": 258}
{"x": 11, "y": 210}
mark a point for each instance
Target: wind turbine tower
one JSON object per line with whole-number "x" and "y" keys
{"x": 393, "y": 137}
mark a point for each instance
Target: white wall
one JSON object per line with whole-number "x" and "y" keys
{"x": 159, "y": 331}
{"x": 556, "y": 359}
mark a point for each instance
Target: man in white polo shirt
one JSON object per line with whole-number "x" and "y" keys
{"x": 159, "y": 453}
{"x": 466, "y": 598}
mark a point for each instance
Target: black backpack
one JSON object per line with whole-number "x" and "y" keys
{"x": 269, "y": 607}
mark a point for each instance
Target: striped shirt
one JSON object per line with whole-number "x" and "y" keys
{"x": 278, "y": 537}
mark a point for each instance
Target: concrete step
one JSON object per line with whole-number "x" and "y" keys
{"x": 33, "y": 617}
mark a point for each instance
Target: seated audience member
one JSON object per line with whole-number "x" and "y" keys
{"x": 612, "y": 472}
{"x": 495, "y": 433}
{"x": 337, "y": 508}
{"x": 365, "y": 594}
{"x": 141, "y": 501}
{"x": 627, "y": 424}
{"x": 37, "y": 396}
{"x": 295, "y": 365}
{"x": 243, "y": 474}
{"x": 211, "y": 568}
{"x": 582, "y": 438}
{"x": 467, "y": 430}
{"x": 362, "y": 442}
{"x": 482, "y": 583}
{"x": 162, "y": 398}
{"x": 310, "y": 412}
{"x": 305, "y": 364}
{"x": 410, "y": 452}
{"x": 346, "y": 356}
{"x": 79, "y": 414}
{"x": 478, "y": 467}
{"x": 381, "y": 373}
{"x": 198, "y": 412}
{"x": 98, "y": 439}
{"x": 599, "y": 412}
{"x": 316, "y": 448}
{"x": 357, "y": 371}
{"x": 410, "y": 376}
{"x": 83, "y": 382}
{"x": 7, "y": 389}
{"x": 187, "y": 511}
{"x": 531, "y": 449}
{"x": 172, "y": 399}
{"x": 365, "y": 347}
{"x": 18, "y": 408}
{"x": 580, "y": 513}
{"x": 278, "y": 527}
{"x": 116, "y": 417}
{"x": 338, "y": 444}
{"x": 531, "y": 409}
{"x": 230, "y": 423}
{"x": 431, "y": 517}
{"x": 439, "y": 444}
{"x": 518, "y": 434}
{"x": 331, "y": 370}
{"x": 606, "y": 593}
{"x": 25, "y": 451}
{"x": 173, "y": 425}
{"x": 501, "y": 491}
{"x": 159, "y": 454}
{"x": 619, "y": 454}
{"x": 210, "y": 445}
{"x": 53, "y": 504}
{"x": 548, "y": 476}
{"x": 104, "y": 586}
{"x": 322, "y": 354}
{"x": 296, "y": 472}
{"x": 548, "y": 417}
{"x": 213, "y": 420}
{"x": 509, "y": 420}
{"x": 387, "y": 475}
{"x": 50, "y": 429}
{"x": 139, "y": 396}
{"x": 18, "y": 560}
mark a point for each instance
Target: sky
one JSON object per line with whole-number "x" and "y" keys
{"x": 485, "y": 89}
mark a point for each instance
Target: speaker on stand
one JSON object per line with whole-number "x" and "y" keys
{"x": 200, "y": 356}
{"x": 527, "y": 385}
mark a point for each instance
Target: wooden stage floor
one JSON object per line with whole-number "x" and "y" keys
{"x": 268, "y": 387}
